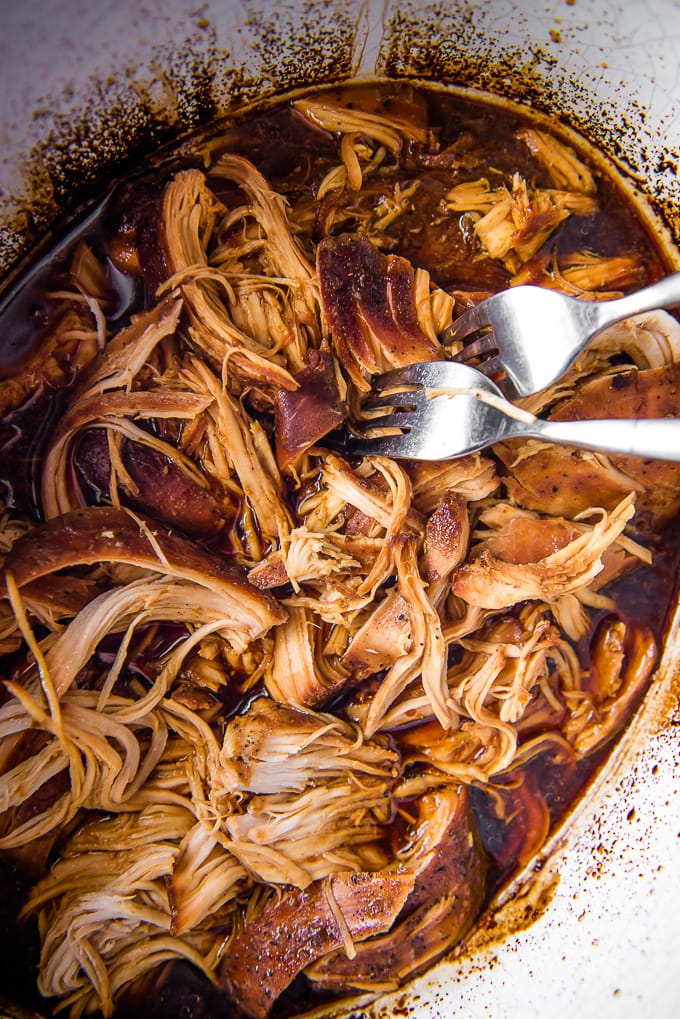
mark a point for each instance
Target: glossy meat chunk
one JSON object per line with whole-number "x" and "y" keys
{"x": 563, "y": 481}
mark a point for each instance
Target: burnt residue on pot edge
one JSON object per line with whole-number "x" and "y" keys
{"x": 443, "y": 44}
{"x": 131, "y": 116}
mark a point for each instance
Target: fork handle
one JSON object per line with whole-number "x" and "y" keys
{"x": 650, "y": 438}
{"x": 659, "y": 295}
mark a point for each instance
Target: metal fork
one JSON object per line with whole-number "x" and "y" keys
{"x": 441, "y": 410}
{"x": 531, "y": 335}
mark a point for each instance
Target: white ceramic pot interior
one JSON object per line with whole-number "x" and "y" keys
{"x": 593, "y": 929}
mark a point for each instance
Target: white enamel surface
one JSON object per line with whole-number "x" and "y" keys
{"x": 608, "y": 943}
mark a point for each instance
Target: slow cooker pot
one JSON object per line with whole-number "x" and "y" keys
{"x": 591, "y": 928}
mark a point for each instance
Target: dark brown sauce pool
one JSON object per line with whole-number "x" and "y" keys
{"x": 292, "y": 155}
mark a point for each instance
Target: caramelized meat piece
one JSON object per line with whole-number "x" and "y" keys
{"x": 446, "y": 538}
{"x": 58, "y": 596}
{"x": 103, "y": 534}
{"x": 622, "y": 656}
{"x": 564, "y": 481}
{"x": 133, "y": 239}
{"x": 450, "y": 868}
{"x": 69, "y": 346}
{"x": 519, "y": 804}
{"x": 369, "y": 301}
{"x": 382, "y": 639}
{"x": 294, "y": 930}
{"x": 305, "y": 415}
{"x": 163, "y": 490}
{"x": 527, "y": 540}
{"x": 433, "y": 894}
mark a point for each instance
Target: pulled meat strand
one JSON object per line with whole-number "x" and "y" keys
{"x": 103, "y": 534}
{"x": 502, "y": 572}
{"x": 188, "y": 218}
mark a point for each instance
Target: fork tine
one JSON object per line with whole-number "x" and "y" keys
{"x": 485, "y": 344}
{"x": 492, "y": 366}
{"x": 388, "y": 445}
{"x": 496, "y": 369}
{"x": 470, "y": 321}
{"x": 381, "y": 400}
{"x": 398, "y": 377}
{"x": 398, "y": 420}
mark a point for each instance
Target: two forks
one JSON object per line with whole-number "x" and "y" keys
{"x": 443, "y": 409}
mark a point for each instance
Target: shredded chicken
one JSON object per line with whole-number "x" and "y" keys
{"x": 109, "y": 889}
{"x": 447, "y": 892}
{"x": 526, "y": 557}
{"x": 189, "y": 217}
{"x": 566, "y": 169}
{"x": 249, "y": 683}
{"x": 301, "y": 795}
{"x": 517, "y": 221}
{"x": 391, "y": 132}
